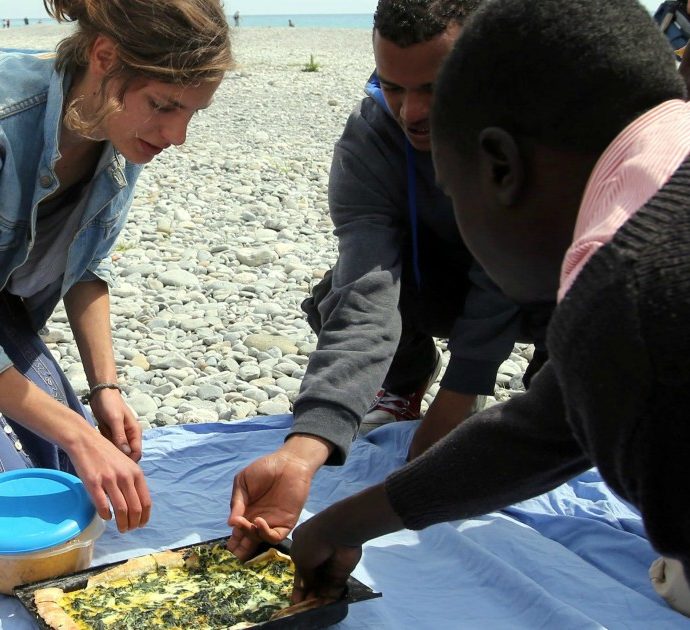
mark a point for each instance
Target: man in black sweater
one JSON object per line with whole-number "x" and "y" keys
{"x": 565, "y": 151}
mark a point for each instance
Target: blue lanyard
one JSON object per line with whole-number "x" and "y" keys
{"x": 374, "y": 90}
{"x": 412, "y": 207}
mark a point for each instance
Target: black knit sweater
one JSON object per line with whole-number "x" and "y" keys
{"x": 614, "y": 394}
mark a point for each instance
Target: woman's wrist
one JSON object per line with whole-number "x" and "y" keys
{"x": 99, "y": 387}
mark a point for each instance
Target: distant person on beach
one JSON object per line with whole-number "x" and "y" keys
{"x": 26, "y": 21}
{"x": 290, "y": 24}
{"x": 75, "y": 131}
{"x": 236, "y": 18}
{"x": 587, "y": 199}
{"x": 403, "y": 277}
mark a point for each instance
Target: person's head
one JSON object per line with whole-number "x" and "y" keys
{"x": 411, "y": 40}
{"x": 530, "y": 97}
{"x": 141, "y": 69}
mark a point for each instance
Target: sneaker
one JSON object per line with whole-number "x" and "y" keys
{"x": 391, "y": 407}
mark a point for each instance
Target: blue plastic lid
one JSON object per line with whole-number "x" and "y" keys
{"x": 41, "y": 508}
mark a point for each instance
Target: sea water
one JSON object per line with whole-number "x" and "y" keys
{"x": 334, "y": 20}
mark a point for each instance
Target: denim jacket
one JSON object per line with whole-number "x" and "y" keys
{"x": 32, "y": 92}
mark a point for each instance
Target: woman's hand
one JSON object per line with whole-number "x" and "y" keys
{"x": 109, "y": 475}
{"x": 116, "y": 422}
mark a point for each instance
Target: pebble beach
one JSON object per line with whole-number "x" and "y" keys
{"x": 228, "y": 233}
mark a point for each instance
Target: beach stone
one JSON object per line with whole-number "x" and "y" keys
{"x": 263, "y": 342}
{"x": 178, "y": 278}
{"x": 274, "y": 407}
{"x": 240, "y": 410}
{"x": 181, "y": 214}
{"x": 282, "y": 249}
{"x": 256, "y": 257}
{"x": 192, "y": 324}
{"x": 172, "y": 360}
{"x": 285, "y": 368}
{"x": 516, "y": 383}
{"x": 164, "y": 226}
{"x": 51, "y": 336}
{"x": 255, "y": 394}
{"x": 142, "y": 404}
{"x": 124, "y": 290}
{"x": 139, "y": 360}
{"x": 249, "y": 371}
{"x": 173, "y": 402}
{"x": 503, "y": 379}
{"x": 199, "y": 416}
{"x": 288, "y": 383}
{"x": 209, "y": 392}
{"x": 510, "y": 368}
{"x": 268, "y": 309}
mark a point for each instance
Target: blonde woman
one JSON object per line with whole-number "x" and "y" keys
{"x": 75, "y": 131}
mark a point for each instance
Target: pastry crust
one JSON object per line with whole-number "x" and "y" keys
{"x": 138, "y": 566}
{"x": 51, "y": 612}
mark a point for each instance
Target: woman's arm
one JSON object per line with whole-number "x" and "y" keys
{"x": 105, "y": 471}
{"x": 88, "y": 309}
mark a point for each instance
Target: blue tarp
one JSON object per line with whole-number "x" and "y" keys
{"x": 575, "y": 558}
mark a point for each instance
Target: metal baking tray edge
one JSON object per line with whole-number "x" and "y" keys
{"x": 314, "y": 619}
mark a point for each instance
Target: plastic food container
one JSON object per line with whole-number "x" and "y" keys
{"x": 48, "y": 526}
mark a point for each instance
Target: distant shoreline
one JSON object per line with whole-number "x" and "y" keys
{"x": 304, "y": 20}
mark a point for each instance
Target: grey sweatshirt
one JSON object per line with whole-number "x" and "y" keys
{"x": 361, "y": 323}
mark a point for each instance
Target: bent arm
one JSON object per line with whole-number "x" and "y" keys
{"x": 505, "y": 454}
{"x": 360, "y": 319}
{"x": 88, "y": 309}
{"x": 502, "y": 455}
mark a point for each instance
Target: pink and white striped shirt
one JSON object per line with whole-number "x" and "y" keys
{"x": 628, "y": 174}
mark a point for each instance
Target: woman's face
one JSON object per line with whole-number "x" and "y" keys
{"x": 154, "y": 116}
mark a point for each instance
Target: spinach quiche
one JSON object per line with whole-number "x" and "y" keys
{"x": 202, "y": 587}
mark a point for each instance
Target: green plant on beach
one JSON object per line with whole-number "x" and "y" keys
{"x": 123, "y": 246}
{"x": 311, "y": 65}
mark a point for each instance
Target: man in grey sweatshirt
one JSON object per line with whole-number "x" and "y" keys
{"x": 403, "y": 277}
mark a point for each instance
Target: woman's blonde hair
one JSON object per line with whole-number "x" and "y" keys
{"x": 183, "y": 42}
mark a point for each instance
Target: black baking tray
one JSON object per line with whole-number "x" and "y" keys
{"x": 313, "y": 619}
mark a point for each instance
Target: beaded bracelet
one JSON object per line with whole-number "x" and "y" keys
{"x": 86, "y": 398}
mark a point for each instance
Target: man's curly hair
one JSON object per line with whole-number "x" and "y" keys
{"x": 408, "y": 22}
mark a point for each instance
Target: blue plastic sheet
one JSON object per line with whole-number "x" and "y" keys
{"x": 575, "y": 558}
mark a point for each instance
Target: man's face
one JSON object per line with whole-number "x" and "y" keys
{"x": 520, "y": 246}
{"x": 407, "y": 78}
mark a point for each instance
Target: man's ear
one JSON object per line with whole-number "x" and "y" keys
{"x": 103, "y": 55}
{"x": 501, "y": 165}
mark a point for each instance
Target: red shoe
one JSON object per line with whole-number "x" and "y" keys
{"x": 390, "y": 407}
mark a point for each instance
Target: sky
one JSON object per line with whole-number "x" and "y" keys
{"x": 34, "y": 8}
